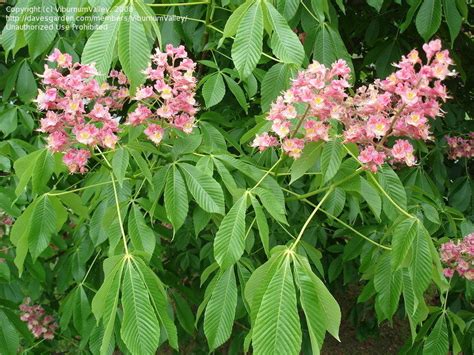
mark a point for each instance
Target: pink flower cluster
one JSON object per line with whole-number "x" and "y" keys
{"x": 459, "y": 257}
{"x": 460, "y": 147}
{"x": 39, "y": 323}
{"x": 79, "y": 111}
{"x": 398, "y": 106}
{"x": 171, "y": 85}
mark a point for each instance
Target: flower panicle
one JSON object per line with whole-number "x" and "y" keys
{"x": 398, "y": 106}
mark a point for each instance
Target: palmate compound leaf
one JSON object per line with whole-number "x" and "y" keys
{"x": 220, "y": 311}
{"x": 277, "y": 327}
{"x": 140, "y": 329}
{"x": 230, "y": 238}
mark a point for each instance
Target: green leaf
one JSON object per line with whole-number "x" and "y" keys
{"x": 12, "y": 39}
{"x": 184, "y": 314}
{"x": 133, "y": 47}
{"x": 229, "y": 242}
{"x": 307, "y": 161}
{"x": 140, "y": 330}
{"x": 220, "y": 311}
{"x": 26, "y": 87}
{"x": 99, "y": 48}
{"x": 237, "y": 92}
{"x": 120, "y": 162}
{"x": 404, "y": 233}
{"x": 277, "y": 325}
{"x": 320, "y": 308}
{"x": 276, "y": 80}
{"x": 141, "y": 235}
{"x": 371, "y": 196}
{"x": 207, "y": 191}
{"x": 329, "y": 47}
{"x": 42, "y": 170}
{"x": 388, "y": 285}
{"x": 9, "y": 337}
{"x": 43, "y": 26}
{"x": 81, "y": 310}
{"x": 258, "y": 284}
{"x": 176, "y": 198}
{"x": 335, "y": 202}
{"x": 284, "y": 42}
{"x": 262, "y": 224}
{"x": 287, "y": 7}
{"x": 43, "y": 225}
{"x": 160, "y": 301}
{"x": 232, "y": 24}
{"x": 437, "y": 342}
{"x": 8, "y": 120}
{"x": 142, "y": 164}
{"x": 392, "y": 185}
{"x": 376, "y": 4}
{"x": 389, "y": 53}
{"x": 421, "y": 261}
{"x": 24, "y": 167}
{"x": 213, "y": 90}
{"x": 105, "y": 301}
{"x": 428, "y": 18}
{"x": 247, "y": 47}
{"x": 415, "y": 4}
{"x": 453, "y": 18}
{"x": 275, "y": 207}
{"x": 331, "y": 159}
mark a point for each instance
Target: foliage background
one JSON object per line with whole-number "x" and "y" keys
{"x": 240, "y": 74}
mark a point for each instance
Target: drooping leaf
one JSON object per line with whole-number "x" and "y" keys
{"x": 306, "y": 161}
{"x": 230, "y": 238}
{"x": 262, "y": 224}
{"x": 160, "y": 301}
{"x": 204, "y": 188}
{"x": 421, "y": 261}
{"x": 120, "y": 162}
{"x": 140, "y": 330}
{"x": 371, "y": 196}
{"x": 9, "y": 337}
{"x": 331, "y": 159}
{"x": 276, "y": 80}
{"x": 388, "y": 285}
{"x": 133, "y": 47}
{"x": 437, "y": 341}
{"x": 428, "y": 18}
{"x": 176, "y": 198}
{"x": 213, "y": 89}
{"x": 141, "y": 234}
{"x": 277, "y": 325}
{"x": 99, "y": 48}
{"x": 43, "y": 26}
{"x": 247, "y": 47}
{"x": 404, "y": 233}
{"x": 220, "y": 311}
{"x": 285, "y": 43}
{"x": 321, "y": 309}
